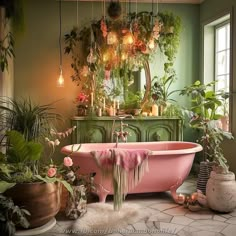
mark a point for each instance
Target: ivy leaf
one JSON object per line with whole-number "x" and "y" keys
{"x": 5, "y": 185}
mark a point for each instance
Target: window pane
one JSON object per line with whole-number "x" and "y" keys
{"x": 227, "y": 61}
{"x": 222, "y": 83}
{"x": 221, "y": 39}
{"x": 221, "y": 63}
{"x": 228, "y": 35}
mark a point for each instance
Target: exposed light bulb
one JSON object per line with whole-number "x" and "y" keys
{"x": 128, "y": 39}
{"x": 60, "y": 80}
{"x": 105, "y": 57}
{"x": 124, "y": 56}
{"x": 151, "y": 43}
{"x": 111, "y": 38}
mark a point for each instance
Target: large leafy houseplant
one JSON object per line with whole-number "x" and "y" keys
{"x": 25, "y": 128}
{"x": 204, "y": 116}
{"x": 219, "y": 185}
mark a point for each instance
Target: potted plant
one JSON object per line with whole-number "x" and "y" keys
{"x": 10, "y": 216}
{"x": 225, "y": 111}
{"x": 132, "y": 103}
{"x": 160, "y": 90}
{"x": 205, "y": 114}
{"x": 24, "y": 127}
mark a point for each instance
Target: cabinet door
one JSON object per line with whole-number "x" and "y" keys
{"x": 94, "y": 132}
{"x": 90, "y": 132}
{"x": 163, "y": 130}
{"x": 159, "y": 133}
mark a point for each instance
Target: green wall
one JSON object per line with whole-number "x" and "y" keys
{"x": 37, "y": 50}
{"x": 209, "y": 11}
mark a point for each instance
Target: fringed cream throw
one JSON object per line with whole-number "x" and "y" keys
{"x": 126, "y": 166}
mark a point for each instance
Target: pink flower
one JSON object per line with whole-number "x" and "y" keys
{"x": 68, "y": 161}
{"x": 52, "y": 172}
{"x": 82, "y": 97}
{"x": 56, "y": 142}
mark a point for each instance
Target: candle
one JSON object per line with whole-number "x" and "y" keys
{"x": 181, "y": 198}
{"x": 144, "y": 114}
{"x": 114, "y": 104}
{"x": 104, "y": 104}
{"x": 91, "y": 99}
{"x": 194, "y": 197}
{"x": 118, "y": 104}
{"x": 99, "y": 111}
{"x": 111, "y": 111}
{"x": 154, "y": 110}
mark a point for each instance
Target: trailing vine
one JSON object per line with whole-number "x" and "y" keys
{"x": 88, "y": 47}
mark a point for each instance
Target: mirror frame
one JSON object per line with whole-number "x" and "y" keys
{"x": 148, "y": 82}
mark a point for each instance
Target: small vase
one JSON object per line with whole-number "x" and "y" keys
{"x": 77, "y": 204}
{"x": 81, "y": 111}
{"x": 225, "y": 123}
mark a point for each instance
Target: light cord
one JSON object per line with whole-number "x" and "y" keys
{"x": 60, "y": 36}
{"x": 77, "y": 12}
{"x": 157, "y": 7}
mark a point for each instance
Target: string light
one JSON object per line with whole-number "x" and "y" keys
{"x": 60, "y": 80}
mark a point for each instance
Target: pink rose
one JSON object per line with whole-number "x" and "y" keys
{"x": 52, "y": 172}
{"x": 68, "y": 161}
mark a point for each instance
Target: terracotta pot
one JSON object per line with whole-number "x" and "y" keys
{"x": 221, "y": 192}
{"x": 225, "y": 123}
{"x": 42, "y": 200}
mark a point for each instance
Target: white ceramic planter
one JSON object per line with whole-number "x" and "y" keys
{"x": 221, "y": 192}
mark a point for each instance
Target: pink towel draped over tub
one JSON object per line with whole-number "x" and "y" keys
{"x": 126, "y": 166}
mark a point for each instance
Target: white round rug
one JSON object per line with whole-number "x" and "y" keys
{"x": 102, "y": 219}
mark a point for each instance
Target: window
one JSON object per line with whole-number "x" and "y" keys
{"x": 222, "y": 66}
{"x": 217, "y": 60}
{"x": 222, "y": 56}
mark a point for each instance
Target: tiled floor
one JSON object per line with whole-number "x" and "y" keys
{"x": 167, "y": 218}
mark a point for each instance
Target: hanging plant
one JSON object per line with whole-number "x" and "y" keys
{"x": 13, "y": 12}
{"x": 120, "y": 47}
{"x": 169, "y": 38}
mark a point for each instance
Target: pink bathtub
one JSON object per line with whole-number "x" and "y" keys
{"x": 169, "y": 165}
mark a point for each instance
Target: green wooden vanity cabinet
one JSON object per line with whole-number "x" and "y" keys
{"x": 144, "y": 129}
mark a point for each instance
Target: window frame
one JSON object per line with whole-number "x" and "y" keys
{"x": 217, "y": 27}
{"x": 208, "y": 56}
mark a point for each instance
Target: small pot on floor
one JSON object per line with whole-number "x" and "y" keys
{"x": 221, "y": 192}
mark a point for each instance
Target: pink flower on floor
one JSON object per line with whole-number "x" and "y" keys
{"x": 68, "y": 161}
{"x": 52, "y": 172}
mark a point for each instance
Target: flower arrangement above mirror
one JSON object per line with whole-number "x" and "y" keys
{"x": 115, "y": 47}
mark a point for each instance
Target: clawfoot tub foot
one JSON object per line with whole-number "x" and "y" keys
{"x": 174, "y": 188}
{"x": 102, "y": 193}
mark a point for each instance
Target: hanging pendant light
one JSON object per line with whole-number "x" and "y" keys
{"x": 60, "y": 80}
